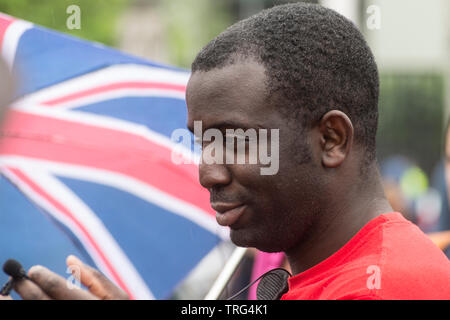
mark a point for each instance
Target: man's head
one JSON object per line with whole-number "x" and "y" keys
{"x": 308, "y": 72}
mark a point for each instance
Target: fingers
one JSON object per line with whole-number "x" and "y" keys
{"x": 45, "y": 284}
{"x": 55, "y": 286}
{"x": 95, "y": 281}
{"x": 5, "y": 297}
{"x": 29, "y": 291}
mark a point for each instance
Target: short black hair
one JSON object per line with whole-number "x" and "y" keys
{"x": 316, "y": 60}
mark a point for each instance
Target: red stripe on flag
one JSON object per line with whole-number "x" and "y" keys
{"x": 5, "y": 22}
{"x": 63, "y": 141}
{"x": 116, "y": 86}
{"x": 61, "y": 208}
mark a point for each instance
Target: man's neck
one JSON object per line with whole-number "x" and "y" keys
{"x": 340, "y": 224}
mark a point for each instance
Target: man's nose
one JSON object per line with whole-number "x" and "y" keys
{"x": 213, "y": 175}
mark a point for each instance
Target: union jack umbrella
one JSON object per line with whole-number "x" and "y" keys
{"x": 85, "y": 157}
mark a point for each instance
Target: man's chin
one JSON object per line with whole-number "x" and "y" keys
{"x": 245, "y": 238}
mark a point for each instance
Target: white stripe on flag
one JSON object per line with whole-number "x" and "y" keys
{"x": 11, "y": 40}
{"x": 107, "y": 76}
{"x": 115, "y": 94}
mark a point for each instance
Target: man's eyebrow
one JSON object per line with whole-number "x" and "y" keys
{"x": 227, "y": 125}
{"x": 233, "y": 125}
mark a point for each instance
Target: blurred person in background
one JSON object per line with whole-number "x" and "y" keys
{"x": 443, "y": 238}
{"x": 397, "y": 199}
{"x": 441, "y": 181}
{"x": 410, "y": 191}
{"x": 447, "y": 157}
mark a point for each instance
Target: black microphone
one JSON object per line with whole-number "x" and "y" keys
{"x": 273, "y": 285}
{"x": 14, "y": 269}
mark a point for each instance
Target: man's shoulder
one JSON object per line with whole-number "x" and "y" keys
{"x": 393, "y": 260}
{"x": 413, "y": 266}
{"x": 406, "y": 250}
{"x": 399, "y": 245}
{"x": 406, "y": 264}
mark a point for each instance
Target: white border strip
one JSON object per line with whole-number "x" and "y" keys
{"x": 106, "y": 76}
{"x": 115, "y": 94}
{"x": 11, "y": 40}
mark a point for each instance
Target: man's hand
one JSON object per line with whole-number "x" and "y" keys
{"x": 45, "y": 284}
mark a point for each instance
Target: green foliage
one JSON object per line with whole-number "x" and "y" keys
{"x": 98, "y": 17}
{"x": 411, "y": 117}
{"x": 191, "y": 24}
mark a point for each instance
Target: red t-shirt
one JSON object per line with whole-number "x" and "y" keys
{"x": 389, "y": 258}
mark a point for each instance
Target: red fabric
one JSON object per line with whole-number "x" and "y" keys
{"x": 389, "y": 249}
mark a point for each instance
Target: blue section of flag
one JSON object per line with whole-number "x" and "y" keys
{"x": 45, "y": 57}
{"x": 28, "y": 235}
{"x": 147, "y": 233}
{"x": 163, "y": 115}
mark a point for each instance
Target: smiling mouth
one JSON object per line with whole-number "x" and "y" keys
{"x": 228, "y": 214}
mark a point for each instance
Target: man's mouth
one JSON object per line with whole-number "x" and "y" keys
{"x": 227, "y": 213}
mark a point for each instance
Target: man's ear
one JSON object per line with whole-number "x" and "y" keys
{"x": 336, "y": 138}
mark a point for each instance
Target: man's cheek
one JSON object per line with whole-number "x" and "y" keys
{"x": 247, "y": 174}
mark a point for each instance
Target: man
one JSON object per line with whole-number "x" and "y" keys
{"x": 306, "y": 71}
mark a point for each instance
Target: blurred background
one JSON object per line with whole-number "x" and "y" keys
{"x": 409, "y": 38}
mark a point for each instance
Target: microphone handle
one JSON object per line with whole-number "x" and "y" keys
{"x": 6, "y": 289}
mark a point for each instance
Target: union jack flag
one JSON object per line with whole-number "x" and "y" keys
{"x": 85, "y": 157}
